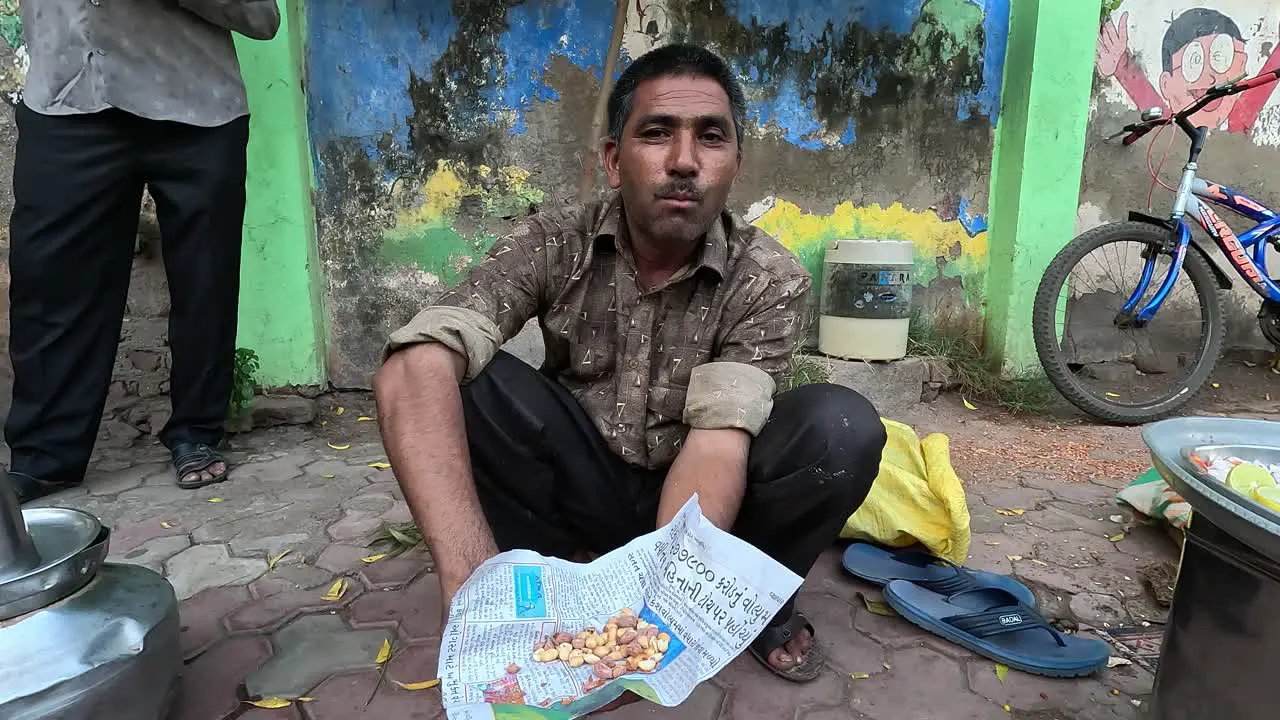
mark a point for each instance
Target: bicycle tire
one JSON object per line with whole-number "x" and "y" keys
{"x": 1044, "y": 326}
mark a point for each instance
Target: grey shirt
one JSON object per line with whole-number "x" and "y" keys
{"x": 159, "y": 59}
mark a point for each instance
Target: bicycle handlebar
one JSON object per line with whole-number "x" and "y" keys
{"x": 1137, "y": 130}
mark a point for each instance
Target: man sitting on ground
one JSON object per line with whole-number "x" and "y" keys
{"x": 667, "y": 324}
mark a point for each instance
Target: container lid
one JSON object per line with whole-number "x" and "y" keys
{"x": 871, "y": 252}
{"x": 71, "y": 545}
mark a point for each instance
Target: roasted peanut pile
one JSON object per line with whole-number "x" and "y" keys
{"x": 627, "y": 644}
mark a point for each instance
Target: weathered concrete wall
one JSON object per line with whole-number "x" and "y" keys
{"x": 867, "y": 120}
{"x": 1166, "y": 53}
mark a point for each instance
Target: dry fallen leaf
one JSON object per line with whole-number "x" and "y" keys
{"x": 273, "y": 561}
{"x": 1008, "y": 512}
{"x": 270, "y": 703}
{"x": 1116, "y": 538}
{"x": 373, "y": 558}
{"x": 877, "y": 607}
{"x": 385, "y": 653}
{"x": 336, "y": 590}
{"x": 1014, "y": 558}
{"x": 339, "y": 447}
{"x": 339, "y": 410}
{"x": 166, "y": 525}
{"x": 1002, "y": 671}
{"x": 364, "y": 418}
{"x": 859, "y": 676}
{"x": 215, "y": 499}
{"x": 1114, "y": 691}
{"x": 379, "y": 465}
{"x": 1111, "y": 394}
{"x": 306, "y": 699}
{"x": 1250, "y": 364}
{"x": 328, "y": 476}
{"x": 968, "y": 405}
{"x": 1216, "y": 385}
{"x": 1007, "y": 708}
{"x": 1114, "y": 661}
{"x": 425, "y": 685}
{"x": 1040, "y": 562}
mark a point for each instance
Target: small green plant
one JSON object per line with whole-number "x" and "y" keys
{"x": 244, "y": 379}
{"x": 805, "y": 370}
{"x": 396, "y": 538}
{"x": 958, "y": 341}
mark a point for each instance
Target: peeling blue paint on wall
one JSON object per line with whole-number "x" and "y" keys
{"x": 358, "y": 62}
{"x": 995, "y": 30}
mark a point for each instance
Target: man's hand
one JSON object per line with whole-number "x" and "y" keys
{"x": 420, "y": 416}
{"x": 713, "y": 464}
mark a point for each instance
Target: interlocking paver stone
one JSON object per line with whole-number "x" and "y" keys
{"x": 828, "y": 576}
{"x": 921, "y": 683}
{"x": 344, "y": 697}
{"x": 754, "y": 692}
{"x": 126, "y": 537}
{"x": 339, "y": 558}
{"x": 416, "y": 609}
{"x": 273, "y": 611}
{"x": 201, "y": 617}
{"x": 1021, "y": 498}
{"x": 847, "y": 651}
{"x": 207, "y": 566}
{"x": 1084, "y": 493}
{"x": 284, "y": 713}
{"x": 396, "y": 571}
{"x": 110, "y": 483}
{"x": 891, "y": 631}
{"x": 991, "y": 552}
{"x": 277, "y": 470}
{"x": 289, "y": 577}
{"x": 209, "y": 683}
{"x": 152, "y": 553}
{"x": 311, "y": 649}
{"x": 1098, "y": 610}
{"x": 1070, "y": 516}
{"x": 355, "y": 526}
{"x": 1026, "y": 692}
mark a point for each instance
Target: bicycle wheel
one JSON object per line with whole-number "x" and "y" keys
{"x": 1114, "y": 373}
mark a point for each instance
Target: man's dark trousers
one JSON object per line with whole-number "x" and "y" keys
{"x": 548, "y": 482}
{"x": 77, "y": 183}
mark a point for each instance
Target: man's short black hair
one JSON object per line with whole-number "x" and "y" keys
{"x": 1194, "y": 23}
{"x": 666, "y": 61}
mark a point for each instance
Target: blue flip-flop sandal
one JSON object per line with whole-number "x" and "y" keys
{"x": 879, "y": 566}
{"x": 994, "y": 624}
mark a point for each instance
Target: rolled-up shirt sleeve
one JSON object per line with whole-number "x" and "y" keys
{"x": 735, "y": 389}
{"x": 497, "y": 297}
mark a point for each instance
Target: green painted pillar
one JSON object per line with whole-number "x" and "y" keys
{"x": 281, "y": 296}
{"x": 1039, "y": 154}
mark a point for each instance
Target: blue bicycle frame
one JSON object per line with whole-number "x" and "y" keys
{"x": 1247, "y": 253}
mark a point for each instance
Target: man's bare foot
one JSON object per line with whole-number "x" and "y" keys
{"x": 198, "y": 465}
{"x": 206, "y": 475}
{"x": 793, "y": 652}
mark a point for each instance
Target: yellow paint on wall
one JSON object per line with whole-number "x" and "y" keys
{"x": 807, "y": 234}
{"x": 440, "y": 196}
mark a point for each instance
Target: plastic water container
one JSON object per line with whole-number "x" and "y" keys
{"x": 865, "y": 310}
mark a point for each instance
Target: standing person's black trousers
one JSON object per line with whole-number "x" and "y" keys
{"x": 77, "y": 185}
{"x": 545, "y": 476}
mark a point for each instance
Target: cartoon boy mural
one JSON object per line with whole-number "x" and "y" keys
{"x": 1201, "y": 48}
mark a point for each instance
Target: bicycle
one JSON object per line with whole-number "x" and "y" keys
{"x": 1091, "y": 351}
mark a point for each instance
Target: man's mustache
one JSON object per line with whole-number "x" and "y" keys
{"x": 680, "y": 189}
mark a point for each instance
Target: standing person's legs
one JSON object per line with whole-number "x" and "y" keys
{"x": 810, "y": 468}
{"x": 77, "y": 192}
{"x": 546, "y": 479}
{"x": 197, "y": 177}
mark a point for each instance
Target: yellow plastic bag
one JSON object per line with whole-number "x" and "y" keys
{"x": 917, "y": 497}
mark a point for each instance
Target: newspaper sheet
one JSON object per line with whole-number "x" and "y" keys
{"x": 709, "y": 591}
